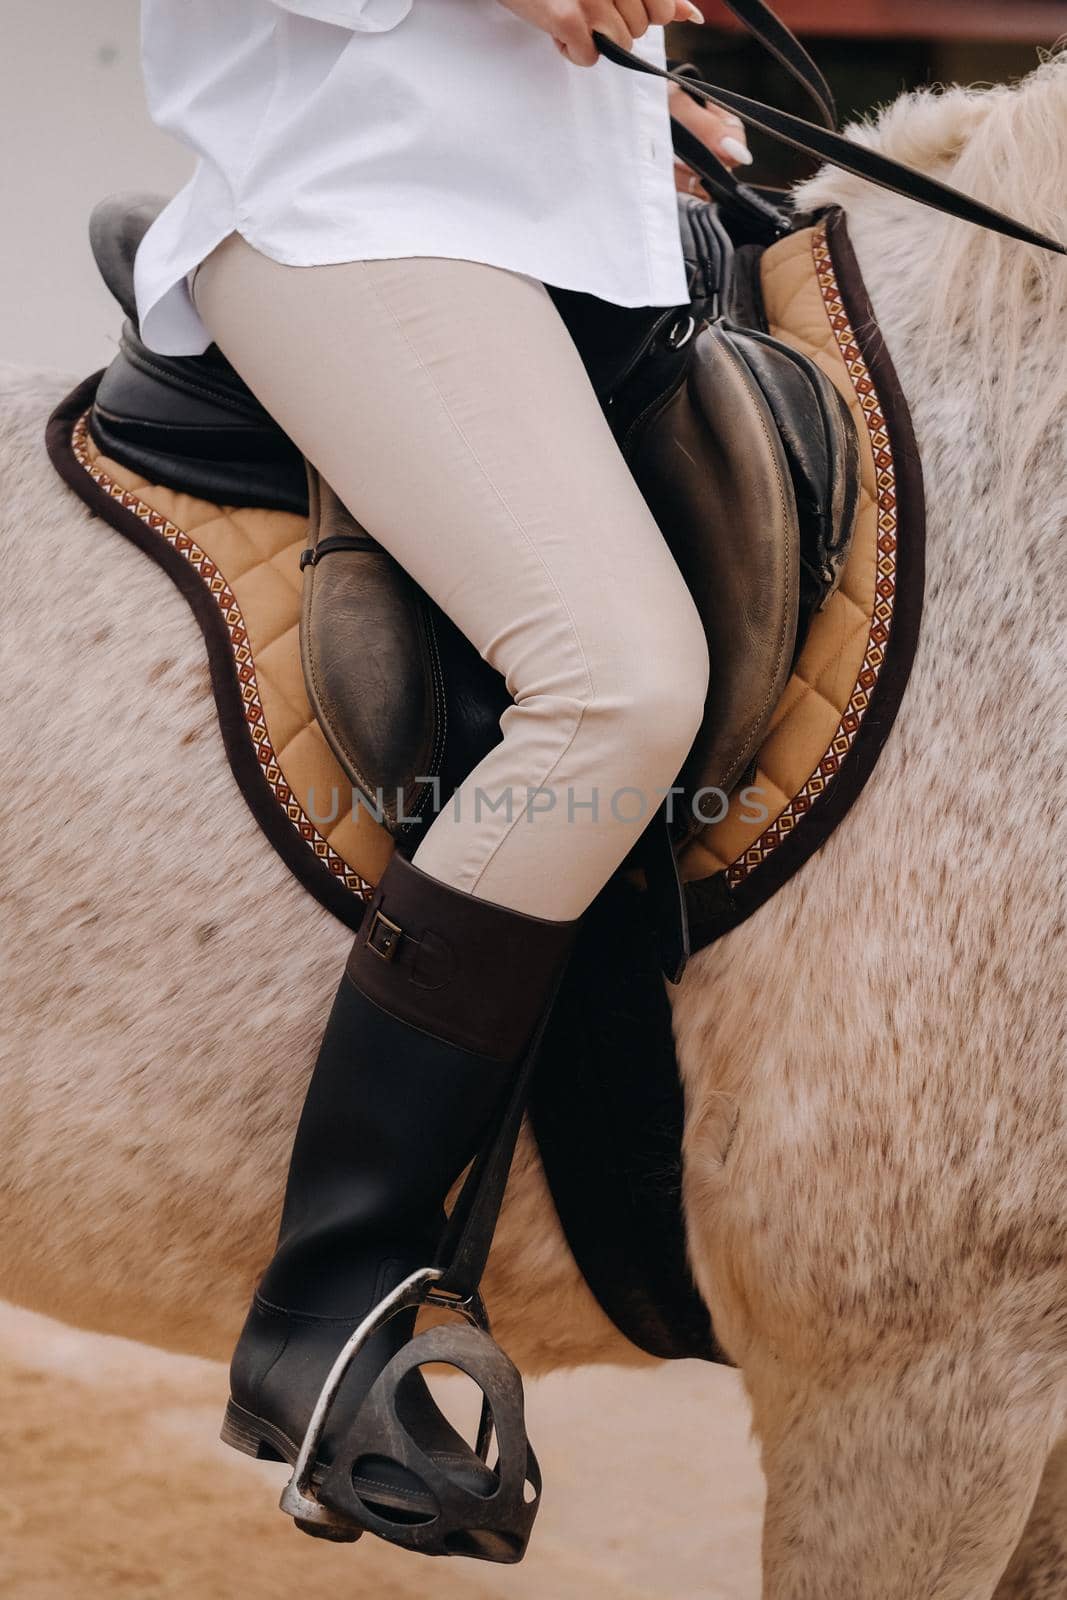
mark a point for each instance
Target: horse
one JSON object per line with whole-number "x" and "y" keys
{"x": 875, "y": 1189}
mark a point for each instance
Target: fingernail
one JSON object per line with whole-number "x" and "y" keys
{"x": 739, "y": 151}
{"x": 693, "y": 13}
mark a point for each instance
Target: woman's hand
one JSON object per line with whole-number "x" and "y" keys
{"x": 572, "y": 23}
{"x": 720, "y": 130}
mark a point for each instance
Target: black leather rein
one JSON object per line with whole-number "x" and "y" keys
{"x": 826, "y": 145}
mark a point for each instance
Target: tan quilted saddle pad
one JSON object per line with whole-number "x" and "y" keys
{"x": 246, "y": 563}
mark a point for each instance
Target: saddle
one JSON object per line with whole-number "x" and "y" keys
{"x": 744, "y": 450}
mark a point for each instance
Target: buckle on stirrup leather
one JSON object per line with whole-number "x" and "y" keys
{"x": 383, "y": 936}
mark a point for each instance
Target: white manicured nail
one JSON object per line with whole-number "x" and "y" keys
{"x": 693, "y": 14}
{"x": 740, "y": 152}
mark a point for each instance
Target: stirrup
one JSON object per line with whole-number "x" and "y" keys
{"x": 491, "y": 1526}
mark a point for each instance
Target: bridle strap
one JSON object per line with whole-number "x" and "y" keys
{"x": 825, "y": 145}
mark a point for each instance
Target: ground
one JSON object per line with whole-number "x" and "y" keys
{"x": 114, "y": 1488}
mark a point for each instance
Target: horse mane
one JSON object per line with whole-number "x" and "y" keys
{"x": 1006, "y": 145}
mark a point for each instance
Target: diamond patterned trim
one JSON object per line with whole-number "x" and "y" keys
{"x": 220, "y": 591}
{"x": 885, "y": 581}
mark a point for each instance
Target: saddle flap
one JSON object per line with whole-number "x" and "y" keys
{"x": 406, "y": 703}
{"x": 822, "y": 449}
{"x": 370, "y": 662}
{"x": 712, "y": 466}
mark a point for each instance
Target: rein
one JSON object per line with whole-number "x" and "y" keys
{"x": 822, "y": 143}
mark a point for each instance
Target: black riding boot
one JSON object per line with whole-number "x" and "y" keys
{"x": 439, "y": 999}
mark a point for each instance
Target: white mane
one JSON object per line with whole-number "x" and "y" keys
{"x": 1003, "y": 303}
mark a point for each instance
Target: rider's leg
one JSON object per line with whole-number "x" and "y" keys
{"x": 446, "y": 405}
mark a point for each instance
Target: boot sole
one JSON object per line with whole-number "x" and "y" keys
{"x": 254, "y": 1437}
{"x": 261, "y": 1440}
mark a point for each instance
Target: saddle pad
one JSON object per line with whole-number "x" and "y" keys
{"x": 239, "y": 571}
{"x": 245, "y": 562}
{"x": 239, "y": 568}
{"x": 839, "y": 705}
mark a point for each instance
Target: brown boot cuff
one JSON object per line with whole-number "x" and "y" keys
{"x": 463, "y": 969}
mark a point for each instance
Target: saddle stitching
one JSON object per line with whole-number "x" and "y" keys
{"x": 181, "y": 380}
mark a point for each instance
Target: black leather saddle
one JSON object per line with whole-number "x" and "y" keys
{"x": 758, "y": 507}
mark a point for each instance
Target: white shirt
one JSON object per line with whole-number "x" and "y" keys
{"x": 341, "y": 130}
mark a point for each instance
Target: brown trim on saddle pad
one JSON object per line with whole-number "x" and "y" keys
{"x": 341, "y": 890}
{"x": 723, "y": 900}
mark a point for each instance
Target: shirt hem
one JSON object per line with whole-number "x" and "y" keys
{"x": 545, "y": 271}
{"x": 179, "y": 330}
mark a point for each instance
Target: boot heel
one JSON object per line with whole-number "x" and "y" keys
{"x": 241, "y": 1432}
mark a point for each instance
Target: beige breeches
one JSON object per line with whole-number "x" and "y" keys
{"x": 447, "y": 406}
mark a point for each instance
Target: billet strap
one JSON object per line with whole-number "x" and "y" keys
{"x": 824, "y": 145}
{"x": 771, "y": 32}
{"x": 665, "y": 896}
